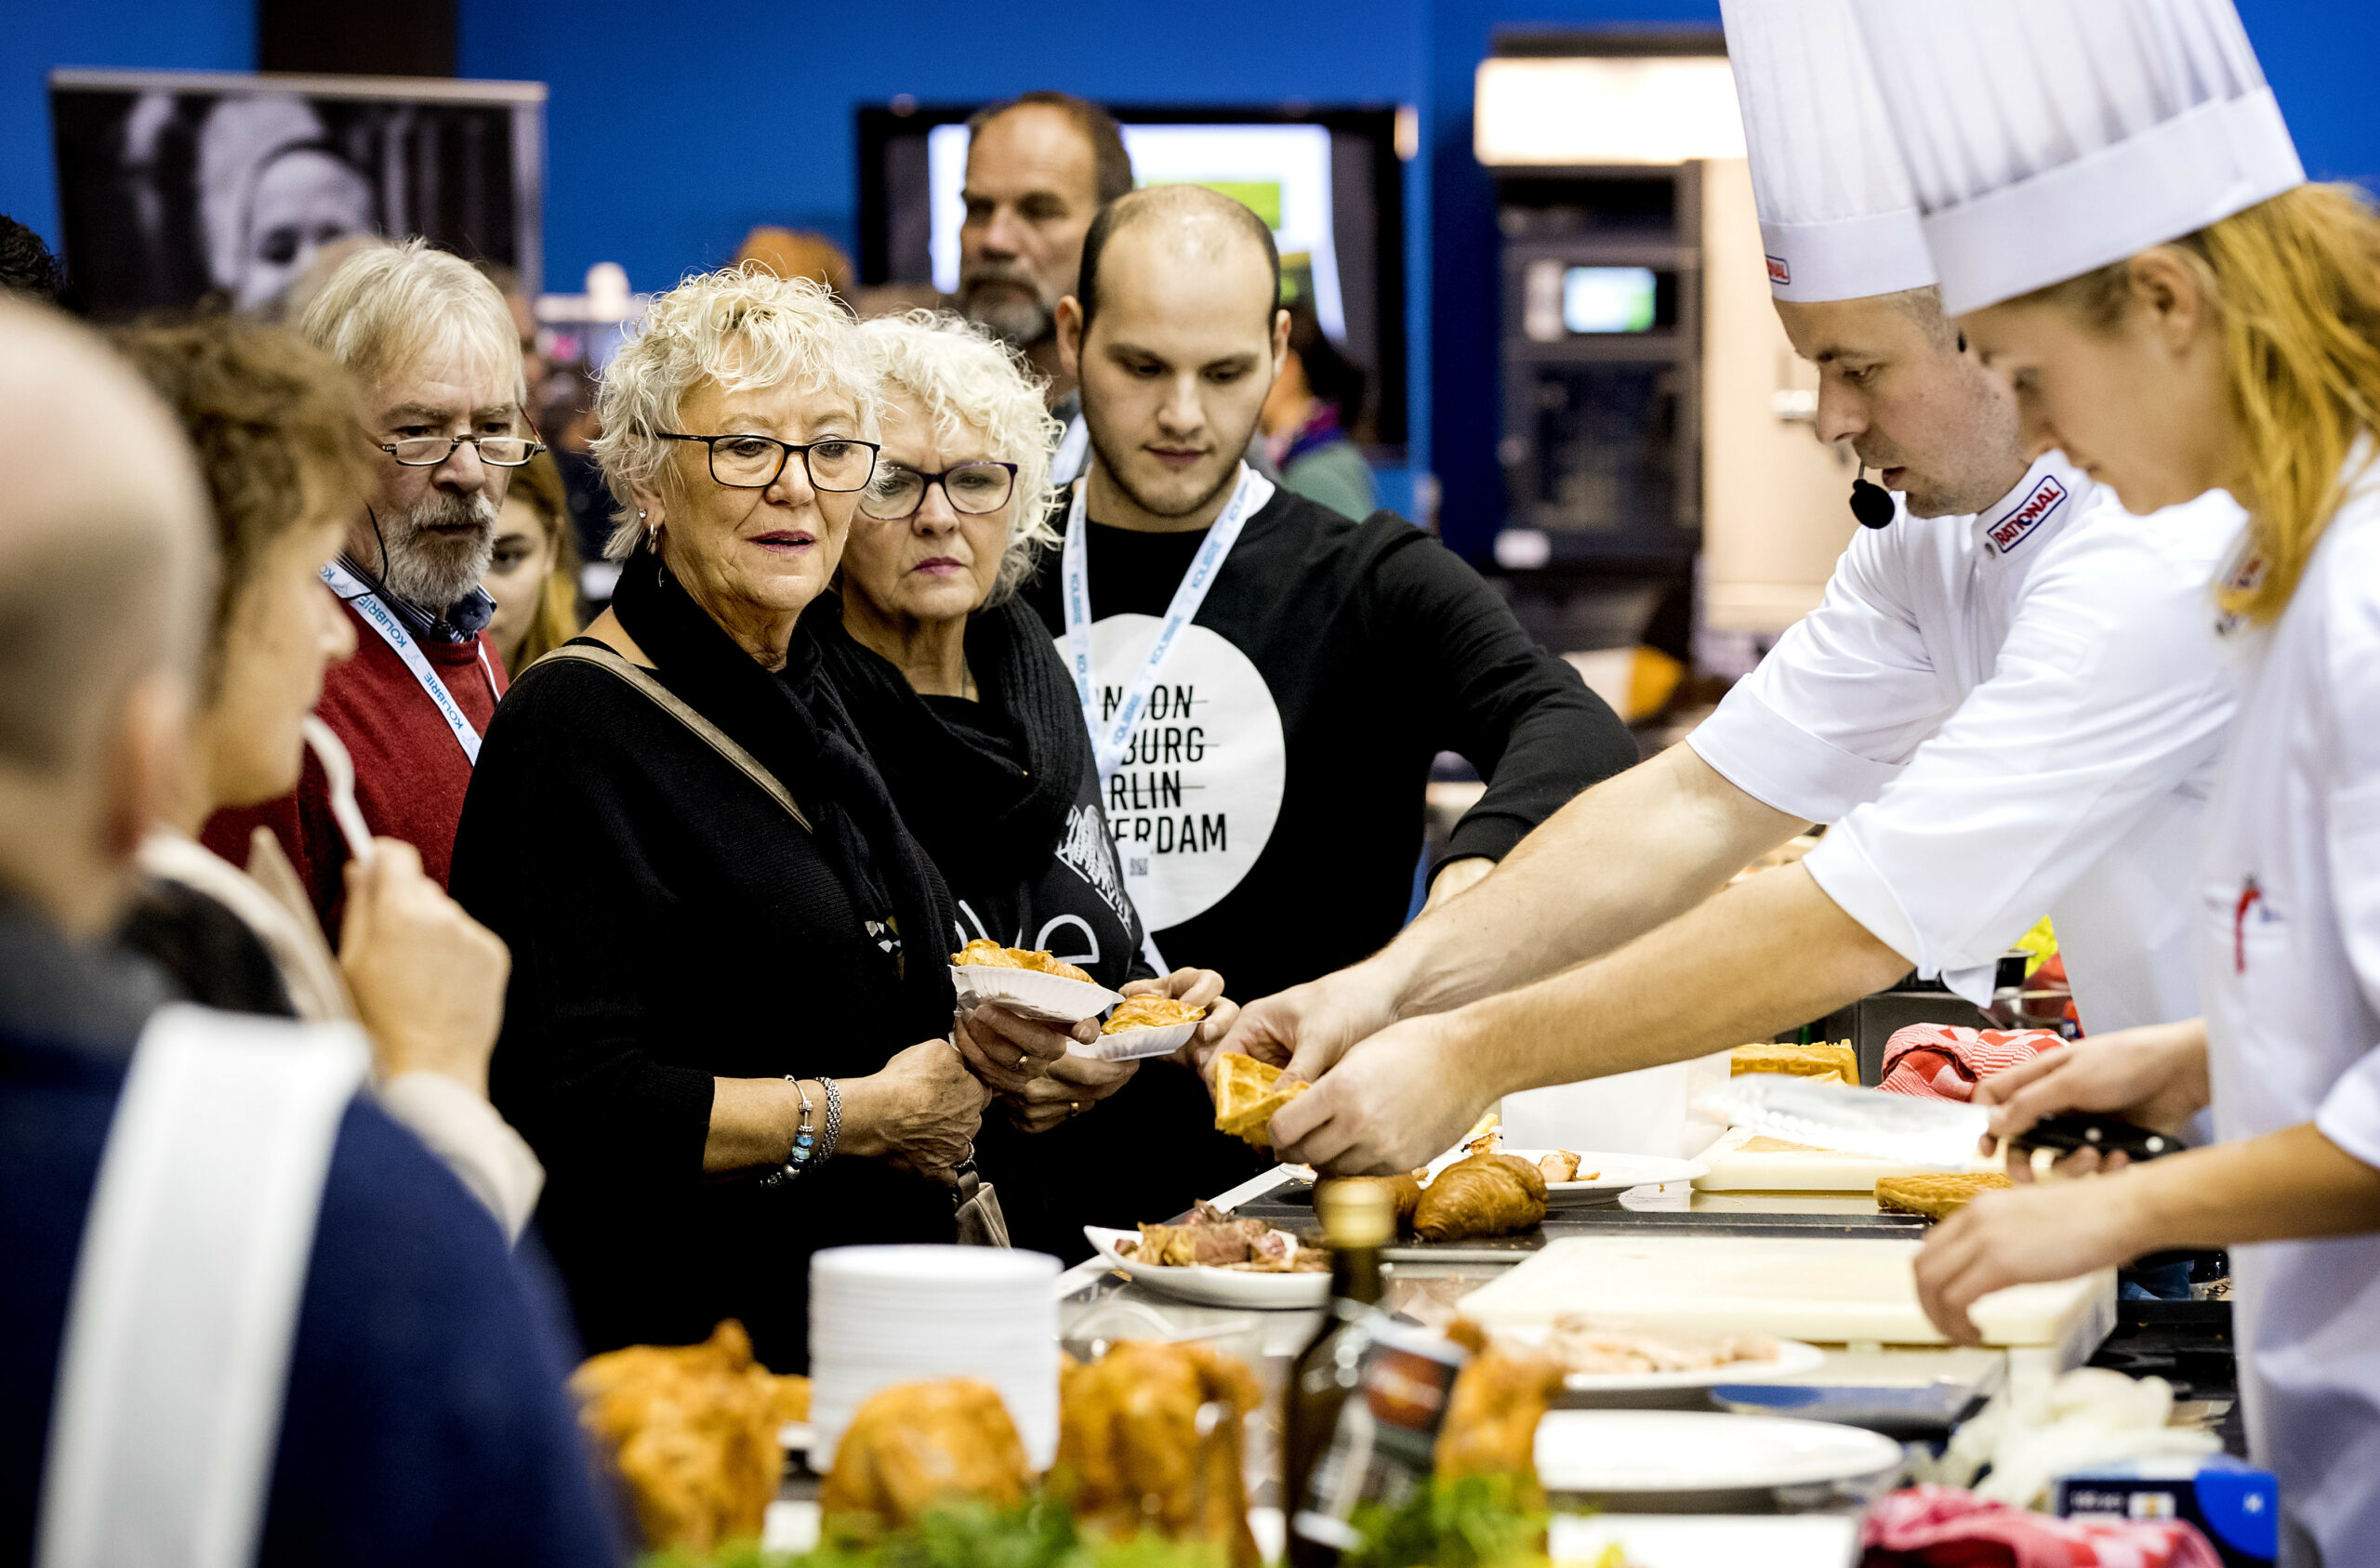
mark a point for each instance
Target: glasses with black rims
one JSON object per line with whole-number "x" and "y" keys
{"x": 427, "y": 452}
{"x": 970, "y": 488}
{"x": 744, "y": 462}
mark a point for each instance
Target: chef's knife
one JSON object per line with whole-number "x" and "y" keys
{"x": 1943, "y": 1134}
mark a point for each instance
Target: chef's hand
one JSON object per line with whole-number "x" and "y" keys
{"x": 428, "y": 979}
{"x": 1397, "y": 1103}
{"x": 1070, "y": 1089}
{"x": 1198, "y": 988}
{"x": 1308, "y": 1028}
{"x": 2155, "y": 1077}
{"x": 2023, "y": 1236}
{"x": 1008, "y": 1051}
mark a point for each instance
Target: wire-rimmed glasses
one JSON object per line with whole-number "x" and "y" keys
{"x": 748, "y": 462}
{"x": 427, "y": 452}
{"x": 972, "y": 489}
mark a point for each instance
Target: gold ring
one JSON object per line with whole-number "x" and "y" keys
{"x": 1074, "y": 1107}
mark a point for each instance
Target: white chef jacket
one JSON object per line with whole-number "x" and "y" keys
{"x": 2007, "y": 715}
{"x": 2288, "y": 914}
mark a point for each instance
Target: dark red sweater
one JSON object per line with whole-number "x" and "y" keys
{"x": 410, "y": 770}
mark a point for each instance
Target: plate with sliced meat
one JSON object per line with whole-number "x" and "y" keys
{"x": 1219, "y": 1261}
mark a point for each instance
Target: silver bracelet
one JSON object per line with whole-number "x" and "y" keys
{"x": 834, "y": 1133}
{"x": 805, "y": 1142}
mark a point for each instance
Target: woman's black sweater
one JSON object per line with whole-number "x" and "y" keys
{"x": 1003, "y": 794}
{"x": 670, "y": 923}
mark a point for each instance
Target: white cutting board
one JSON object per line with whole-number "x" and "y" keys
{"x": 1831, "y": 1291}
{"x": 1735, "y": 1169}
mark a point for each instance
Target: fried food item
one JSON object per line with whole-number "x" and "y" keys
{"x": 1149, "y": 1436}
{"x": 914, "y": 1443}
{"x": 1560, "y": 1166}
{"x": 1482, "y": 1195}
{"x": 1247, "y": 1093}
{"x": 1838, "y": 1060}
{"x": 1491, "y": 1419}
{"x": 1484, "y": 1133}
{"x": 691, "y": 1429}
{"x": 1149, "y": 1012}
{"x": 984, "y": 953}
{"x": 1937, "y": 1197}
{"x": 1404, "y": 1193}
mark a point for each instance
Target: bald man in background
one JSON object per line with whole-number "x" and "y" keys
{"x": 422, "y": 1417}
{"x": 1265, "y": 779}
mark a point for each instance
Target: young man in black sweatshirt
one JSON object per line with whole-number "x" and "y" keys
{"x": 1265, "y": 775}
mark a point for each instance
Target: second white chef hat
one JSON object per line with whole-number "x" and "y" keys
{"x": 1838, "y": 219}
{"x": 2048, "y": 137}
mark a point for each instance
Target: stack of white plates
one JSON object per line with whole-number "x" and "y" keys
{"x": 881, "y": 1315}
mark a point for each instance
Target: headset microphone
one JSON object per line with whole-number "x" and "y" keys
{"x": 1872, "y": 504}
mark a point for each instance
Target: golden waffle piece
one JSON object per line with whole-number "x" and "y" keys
{"x": 1247, "y": 1093}
{"x": 1937, "y": 1197}
{"x": 1837, "y": 1060}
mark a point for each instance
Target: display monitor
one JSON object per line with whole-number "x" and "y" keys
{"x": 1607, "y": 299}
{"x": 1327, "y": 182}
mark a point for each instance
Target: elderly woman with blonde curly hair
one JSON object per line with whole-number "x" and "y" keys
{"x": 971, "y": 717}
{"x": 729, "y": 1033}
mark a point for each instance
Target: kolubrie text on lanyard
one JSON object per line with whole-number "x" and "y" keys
{"x": 382, "y": 619}
{"x": 1109, "y": 742}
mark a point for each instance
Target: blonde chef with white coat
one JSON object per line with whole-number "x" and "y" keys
{"x": 2009, "y": 704}
{"x": 2181, "y": 312}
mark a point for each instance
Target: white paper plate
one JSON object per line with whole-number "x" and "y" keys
{"x": 1212, "y": 1286}
{"x": 1049, "y": 998}
{"x": 1652, "y": 1451}
{"x": 1132, "y": 1045}
{"x": 1614, "y": 1174}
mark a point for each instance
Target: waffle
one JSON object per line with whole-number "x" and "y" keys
{"x": 1837, "y": 1060}
{"x": 1937, "y": 1196}
{"x": 1247, "y": 1095}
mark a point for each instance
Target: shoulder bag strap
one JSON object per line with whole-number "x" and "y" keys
{"x": 175, "y": 1363}
{"x": 670, "y": 703}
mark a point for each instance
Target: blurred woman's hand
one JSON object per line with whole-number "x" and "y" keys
{"x": 1008, "y": 1051}
{"x": 428, "y": 979}
{"x": 922, "y": 1109}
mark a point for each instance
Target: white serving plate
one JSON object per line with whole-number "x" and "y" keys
{"x": 1614, "y": 1174}
{"x": 1132, "y": 1045}
{"x": 1636, "y": 1452}
{"x": 1047, "y": 999}
{"x": 1212, "y": 1286}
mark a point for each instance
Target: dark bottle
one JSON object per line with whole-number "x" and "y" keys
{"x": 1359, "y": 1220}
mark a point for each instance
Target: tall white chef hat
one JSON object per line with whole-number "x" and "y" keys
{"x": 2047, "y": 137}
{"x": 1838, "y": 217}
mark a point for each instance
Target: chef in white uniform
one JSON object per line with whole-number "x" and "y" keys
{"x": 2010, "y": 703}
{"x": 2169, "y": 134}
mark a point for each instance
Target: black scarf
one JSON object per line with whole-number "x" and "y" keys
{"x": 983, "y": 818}
{"x": 795, "y": 725}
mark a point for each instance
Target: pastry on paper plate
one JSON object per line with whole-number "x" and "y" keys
{"x": 1936, "y": 1195}
{"x": 1150, "y": 1012}
{"x": 1247, "y": 1093}
{"x": 981, "y": 953}
{"x": 1836, "y": 1060}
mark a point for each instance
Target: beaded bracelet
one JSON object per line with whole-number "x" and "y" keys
{"x": 805, "y": 1142}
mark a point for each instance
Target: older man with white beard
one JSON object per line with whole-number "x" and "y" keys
{"x": 435, "y": 355}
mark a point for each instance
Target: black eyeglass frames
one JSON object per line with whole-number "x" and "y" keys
{"x": 427, "y": 452}
{"x": 970, "y": 488}
{"x": 745, "y": 462}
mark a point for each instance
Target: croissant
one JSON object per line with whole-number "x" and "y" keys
{"x": 1482, "y": 1195}
{"x": 1492, "y": 1419}
{"x": 1135, "y": 1452}
{"x": 915, "y": 1443}
{"x": 1404, "y": 1193}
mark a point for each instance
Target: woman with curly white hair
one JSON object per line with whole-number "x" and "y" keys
{"x": 717, "y": 1037}
{"x": 973, "y": 719}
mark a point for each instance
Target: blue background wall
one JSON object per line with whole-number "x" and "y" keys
{"x": 673, "y": 130}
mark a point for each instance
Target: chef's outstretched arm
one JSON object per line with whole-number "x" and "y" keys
{"x": 1771, "y": 952}
{"x": 2293, "y": 1184}
{"x": 1636, "y": 851}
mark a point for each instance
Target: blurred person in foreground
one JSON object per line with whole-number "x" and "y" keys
{"x": 971, "y": 719}
{"x": 1318, "y": 394}
{"x": 295, "y": 1338}
{"x": 729, "y": 1033}
{"x": 435, "y": 351}
{"x": 1265, "y": 778}
{"x": 272, "y": 422}
{"x": 532, "y": 573}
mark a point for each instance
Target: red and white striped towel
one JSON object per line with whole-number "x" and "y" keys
{"x": 1943, "y": 1061}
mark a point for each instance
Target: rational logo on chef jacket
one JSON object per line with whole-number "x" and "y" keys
{"x": 1778, "y": 271}
{"x": 2011, "y": 530}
